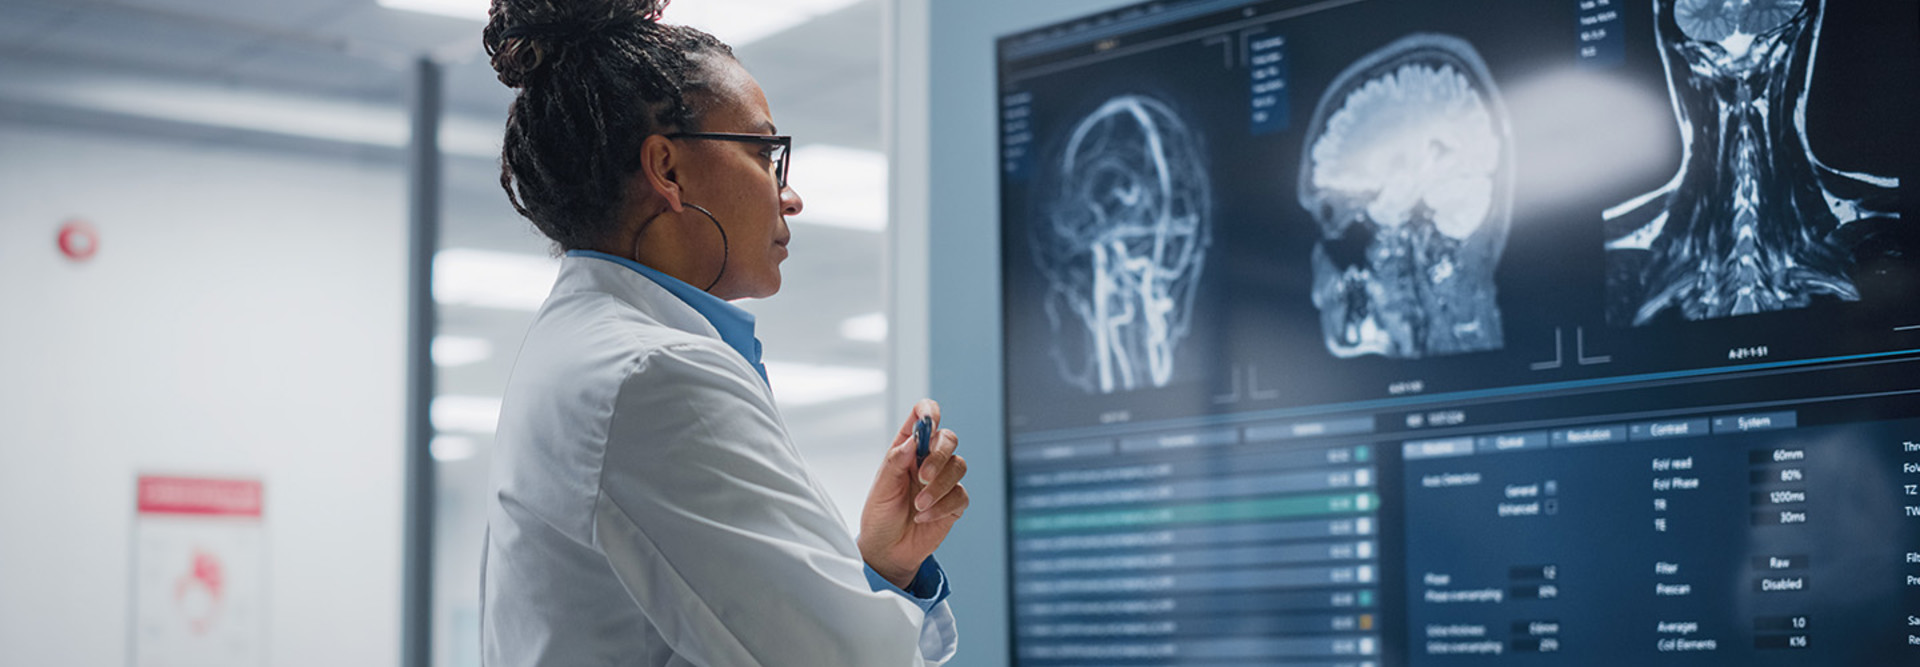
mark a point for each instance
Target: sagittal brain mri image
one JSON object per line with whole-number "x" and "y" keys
{"x": 1407, "y": 170}
{"x": 1121, "y": 239}
{"x": 1754, "y": 221}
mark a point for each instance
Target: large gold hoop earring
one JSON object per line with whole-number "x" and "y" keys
{"x": 725, "y": 251}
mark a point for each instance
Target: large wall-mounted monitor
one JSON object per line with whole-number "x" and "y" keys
{"x": 1460, "y": 332}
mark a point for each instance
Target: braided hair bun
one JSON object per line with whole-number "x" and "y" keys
{"x": 523, "y": 35}
{"x": 595, "y": 79}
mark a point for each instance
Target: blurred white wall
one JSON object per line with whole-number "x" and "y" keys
{"x": 244, "y": 316}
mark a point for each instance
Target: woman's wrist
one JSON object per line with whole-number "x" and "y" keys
{"x": 899, "y": 577}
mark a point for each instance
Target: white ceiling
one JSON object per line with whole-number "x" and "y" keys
{"x": 821, "y": 76}
{"x": 264, "y": 73}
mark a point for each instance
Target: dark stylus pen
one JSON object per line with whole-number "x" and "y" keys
{"x": 922, "y": 432}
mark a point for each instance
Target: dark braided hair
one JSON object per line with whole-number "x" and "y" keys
{"x": 596, "y": 78}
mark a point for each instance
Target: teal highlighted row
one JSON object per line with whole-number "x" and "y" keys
{"x": 1269, "y": 508}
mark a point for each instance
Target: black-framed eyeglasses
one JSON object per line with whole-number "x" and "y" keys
{"x": 780, "y": 147}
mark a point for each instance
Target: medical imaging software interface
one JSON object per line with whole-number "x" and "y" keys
{"x": 1456, "y": 332}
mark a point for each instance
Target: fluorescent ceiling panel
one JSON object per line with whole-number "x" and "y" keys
{"x": 472, "y": 10}
{"x": 736, "y": 22}
{"x": 452, "y": 447}
{"x": 797, "y": 384}
{"x": 452, "y": 351}
{"x": 465, "y": 414}
{"x": 229, "y": 107}
{"x": 868, "y": 328}
{"x": 841, "y": 187}
{"x": 492, "y": 279}
{"x": 739, "y": 22}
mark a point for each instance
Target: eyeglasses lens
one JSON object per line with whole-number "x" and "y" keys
{"x": 780, "y": 155}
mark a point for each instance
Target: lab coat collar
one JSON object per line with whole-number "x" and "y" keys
{"x": 733, "y": 324}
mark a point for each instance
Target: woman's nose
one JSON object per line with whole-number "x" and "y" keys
{"x": 790, "y": 203}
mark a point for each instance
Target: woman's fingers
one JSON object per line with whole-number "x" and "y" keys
{"x": 950, "y": 506}
{"x": 938, "y": 455}
{"x": 951, "y": 470}
{"x": 893, "y": 483}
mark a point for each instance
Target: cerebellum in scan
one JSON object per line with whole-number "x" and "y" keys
{"x": 1408, "y": 174}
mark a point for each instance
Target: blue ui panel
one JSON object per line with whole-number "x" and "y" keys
{"x": 1372, "y": 333}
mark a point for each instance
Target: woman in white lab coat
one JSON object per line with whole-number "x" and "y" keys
{"x": 648, "y": 506}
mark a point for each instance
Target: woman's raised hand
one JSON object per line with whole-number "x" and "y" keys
{"x": 911, "y": 508}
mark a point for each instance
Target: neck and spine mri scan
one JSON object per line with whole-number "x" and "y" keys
{"x": 1753, "y": 221}
{"x": 1409, "y": 174}
{"x": 1124, "y": 239}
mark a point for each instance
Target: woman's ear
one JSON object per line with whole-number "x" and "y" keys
{"x": 659, "y": 158}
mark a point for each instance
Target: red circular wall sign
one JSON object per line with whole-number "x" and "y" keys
{"x": 78, "y": 240}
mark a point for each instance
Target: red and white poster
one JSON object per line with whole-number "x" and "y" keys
{"x": 199, "y": 573}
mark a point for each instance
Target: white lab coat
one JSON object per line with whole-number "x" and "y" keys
{"x": 650, "y": 509}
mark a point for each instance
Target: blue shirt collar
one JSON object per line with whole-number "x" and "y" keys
{"x": 734, "y": 324}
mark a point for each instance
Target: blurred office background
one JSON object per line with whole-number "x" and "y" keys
{"x": 232, "y": 184}
{"x": 206, "y": 263}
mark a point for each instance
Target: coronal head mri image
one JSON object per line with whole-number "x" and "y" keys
{"x": 1754, "y": 221}
{"x": 1408, "y": 172}
{"x": 1121, "y": 238}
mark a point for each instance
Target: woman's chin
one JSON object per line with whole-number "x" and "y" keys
{"x": 762, "y": 288}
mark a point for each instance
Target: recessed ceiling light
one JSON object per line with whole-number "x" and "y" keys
{"x": 200, "y": 104}
{"x": 868, "y": 328}
{"x": 797, "y": 384}
{"x": 736, "y": 22}
{"x": 451, "y": 351}
{"x": 465, "y": 414}
{"x": 452, "y": 447}
{"x": 474, "y": 10}
{"x": 842, "y": 187}
{"x": 741, "y": 22}
{"x": 493, "y": 279}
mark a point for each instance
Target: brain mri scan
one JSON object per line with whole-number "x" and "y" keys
{"x": 1754, "y": 221}
{"x": 1408, "y": 172}
{"x": 1122, "y": 238}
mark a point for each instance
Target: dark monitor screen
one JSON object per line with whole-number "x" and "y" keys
{"x": 1449, "y": 332}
